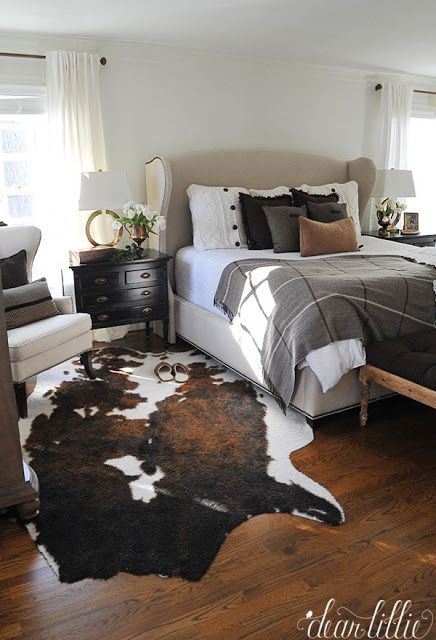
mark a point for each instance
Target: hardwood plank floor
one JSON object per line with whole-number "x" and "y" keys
{"x": 272, "y": 569}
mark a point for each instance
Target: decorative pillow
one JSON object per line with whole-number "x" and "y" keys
{"x": 254, "y": 219}
{"x": 327, "y": 211}
{"x": 14, "y": 270}
{"x": 317, "y": 238}
{"x": 302, "y": 197}
{"x": 28, "y": 303}
{"x": 284, "y": 227}
{"x": 348, "y": 193}
{"x": 216, "y": 217}
{"x": 270, "y": 193}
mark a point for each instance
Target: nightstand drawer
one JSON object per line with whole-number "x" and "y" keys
{"x": 136, "y": 276}
{"x": 100, "y": 299}
{"x": 105, "y": 280}
{"x": 145, "y": 312}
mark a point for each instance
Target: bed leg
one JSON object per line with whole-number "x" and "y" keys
{"x": 313, "y": 422}
{"x": 364, "y": 397}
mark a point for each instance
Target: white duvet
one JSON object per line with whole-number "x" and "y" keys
{"x": 198, "y": 274}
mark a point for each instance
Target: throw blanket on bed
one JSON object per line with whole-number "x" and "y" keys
{"x": 290, "y": 308}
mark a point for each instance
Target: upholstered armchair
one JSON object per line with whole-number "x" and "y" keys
{"x": 38, "y": 346}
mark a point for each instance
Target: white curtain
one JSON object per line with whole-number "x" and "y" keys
{"x": 392, "y": 131}
{"x": 77, "y": 144}
{"x": 393, "y": 126}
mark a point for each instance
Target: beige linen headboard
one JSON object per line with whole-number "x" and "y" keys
{"x": 168, "y": 178}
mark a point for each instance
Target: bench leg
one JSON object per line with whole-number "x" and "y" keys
{"x": 364, "y": 397}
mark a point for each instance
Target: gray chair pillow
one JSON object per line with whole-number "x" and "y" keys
{"x": 326, "y": 211}
{"x": 284, "y": 227}
{"x": 27, "y": 304}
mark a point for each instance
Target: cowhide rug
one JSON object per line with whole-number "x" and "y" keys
{"x": 147, "y": 477}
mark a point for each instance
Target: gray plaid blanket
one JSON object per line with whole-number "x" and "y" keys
{"x": 290, "y": 308}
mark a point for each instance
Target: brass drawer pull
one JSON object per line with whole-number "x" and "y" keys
{"x": 100, "y": 280}
{"x": 146, "y": 293}
{"x": 145, "y": 275}
{"x": 147, "y": 310}
{"x": 101, "y": 299}
{"x": 103, "y": 316}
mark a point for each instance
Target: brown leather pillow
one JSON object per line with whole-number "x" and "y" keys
{"x": 318, "y": 238}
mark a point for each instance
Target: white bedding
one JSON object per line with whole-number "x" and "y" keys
{"x": 198, "y": 273}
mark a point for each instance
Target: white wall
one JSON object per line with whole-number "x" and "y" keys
{"x": 172, "y": 102}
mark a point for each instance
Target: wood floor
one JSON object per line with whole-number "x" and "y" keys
{"x": 272, "y": 569}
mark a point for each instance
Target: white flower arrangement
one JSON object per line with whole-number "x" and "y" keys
{"x": 136, "y": 213}
{"x": 390, "y": 206}
{"x": 387, "y": 209}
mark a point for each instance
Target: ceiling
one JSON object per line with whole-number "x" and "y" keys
{"x": 397, "y": 35}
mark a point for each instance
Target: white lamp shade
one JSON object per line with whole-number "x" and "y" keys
{"x": 103, "y": 190}
{"x": 397, "y": 183}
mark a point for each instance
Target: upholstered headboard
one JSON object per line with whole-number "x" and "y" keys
{"x": 168, "y": 178}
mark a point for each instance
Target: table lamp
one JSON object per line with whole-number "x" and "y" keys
{"x": 394, "y": 183}
{"x": 101, "y": 192}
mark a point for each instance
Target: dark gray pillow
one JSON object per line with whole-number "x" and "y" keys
{"x": 253, "y": 218}
{"x": 327, "y": 211}
{"x": 29, "y": 303}
{"x": 284, "y": 227}
{"x": 14, "y": 270}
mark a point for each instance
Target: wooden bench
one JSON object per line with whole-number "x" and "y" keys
{"x": 406, "y": 365}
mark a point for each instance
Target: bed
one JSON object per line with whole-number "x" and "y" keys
{"x": 193, "y": 277}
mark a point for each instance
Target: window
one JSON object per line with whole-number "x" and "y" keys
{"x": 422, "y": 162}
{"x": 25, "y": 174}
{"x": 22, "y": 161}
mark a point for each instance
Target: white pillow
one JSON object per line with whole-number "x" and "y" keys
{"x": 270, "y": 193}
{"x": 348, "y": 193}
{"x": 216, "y": 217}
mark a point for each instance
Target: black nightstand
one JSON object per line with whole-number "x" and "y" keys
{"x": 117, "y": 293}
{"x": 419, "y": 240}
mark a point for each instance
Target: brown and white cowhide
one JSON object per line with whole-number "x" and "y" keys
{"x": 147, "y": 477}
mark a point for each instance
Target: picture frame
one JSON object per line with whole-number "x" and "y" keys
{"x": 411, "y": 223}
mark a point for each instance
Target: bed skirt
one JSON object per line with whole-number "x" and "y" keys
{"x": 213, "y": 335}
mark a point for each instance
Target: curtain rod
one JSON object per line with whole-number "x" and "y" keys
{"x": 35, "y": 56}
{"x": 429, "y": 93}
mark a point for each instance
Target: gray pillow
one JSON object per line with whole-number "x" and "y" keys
{"x": 326, "y": 211}
{"x": 29, "y": 303}
{"x": 284, "y": 227}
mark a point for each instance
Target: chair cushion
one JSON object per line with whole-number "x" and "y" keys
{"x": 43, "y": 335}
{"x": 412, "y": 357}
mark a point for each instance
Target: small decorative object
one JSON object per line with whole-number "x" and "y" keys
{"x": 397, "y": 181}
{"x": 388, "y": 210}
{"x": 140, "y": 221}
{"x": 411, "y": 223}
{"x": 92, "y": 254}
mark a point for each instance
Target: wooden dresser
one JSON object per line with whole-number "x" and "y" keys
{"x": 118, "y": 293}
{"x": 18, "y": 482}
